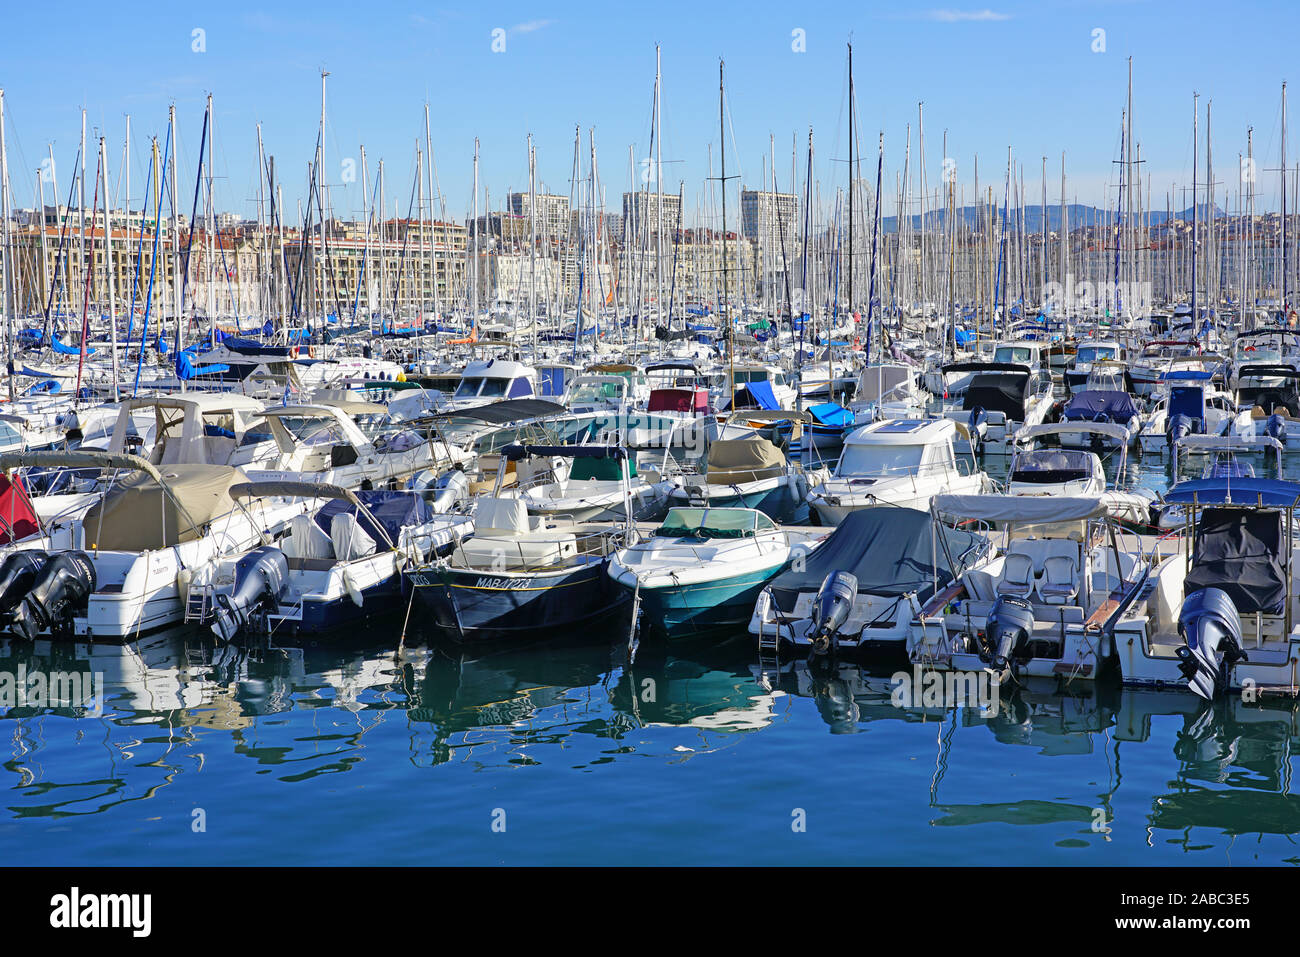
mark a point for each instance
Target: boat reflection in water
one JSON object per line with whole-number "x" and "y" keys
{"x": 176, "y": 721}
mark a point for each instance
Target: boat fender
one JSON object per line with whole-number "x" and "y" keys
{"x": 354, "y": 592}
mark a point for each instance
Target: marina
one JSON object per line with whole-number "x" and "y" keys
{"x": 506, "y": 497}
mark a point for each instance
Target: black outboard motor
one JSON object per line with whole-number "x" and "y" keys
{"x": 1181, "y": 425}
{"x": 977, "y": 424}
{"x": 61, "y": 587}
{"x": 260, "y": 577}
{"x": 1211, "y": 628}
{"x": 831, "y": 609}
{"x": 17, "y": 573}
{"x": 1275, "y": 427}
{"x": 1010, "y": 628}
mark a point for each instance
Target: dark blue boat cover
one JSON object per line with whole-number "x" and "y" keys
{"x": 1101, "y": 405}
{"x": 392, "y": 510}
{"x": 891, "y": 551}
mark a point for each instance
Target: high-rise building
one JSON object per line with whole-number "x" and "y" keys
{"x": 641, "y": 214}
{"x": 766, "y": 216}
{"x": 552, "y": 213}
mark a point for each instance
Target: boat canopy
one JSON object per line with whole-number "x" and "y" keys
{"x": 1022, "y": 509}
{"x": 1003, "y": 392}
{"x": 501, "y": 413}
{"x": 891, "y": 552}
{"x": 1109, "y": 429}
{"x": 832, "y": 413}
{"x": 1277, "y": 493}
{"x": 1240, "y": 551}
{"x": 139, "y": 514}
{"x": 515, "y": 451}
{"x": 713, "y": 523}
{"x": 678, "y": 400}
{"x": 733, "y": 461}
{"x": 1100, "y": 405}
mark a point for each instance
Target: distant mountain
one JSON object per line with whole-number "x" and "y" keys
{"x": 1078, "y": 214}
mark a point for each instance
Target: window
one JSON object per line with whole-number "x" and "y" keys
{"x": 879, "y": 460}
{"x": 1013, "y": 354}
{"x": 468, "y": 388}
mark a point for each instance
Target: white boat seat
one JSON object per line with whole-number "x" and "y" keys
{"x": 349, "y": 538}
{"x": 1060, "y": 583}
{"x": 1017, "y": 576}
{"x": 530, "y": 550}
{"x": 306, "y": 539}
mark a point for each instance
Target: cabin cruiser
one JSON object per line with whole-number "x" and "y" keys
{"x": 322, "y": 443}
{"x": 903, "y": 462}
{"x": 703, "y": 567}
{"x": 334, "y": 566}
{"x": 860, "y": 587}
{"x": 1057, "y": 601}
{"x": 1226, "y": 599}
{"x": 520, "y": 576}
{"x": 1161, "y": 357}
{"x": 1099, "y": 406}
{"x": 490, "y": 380}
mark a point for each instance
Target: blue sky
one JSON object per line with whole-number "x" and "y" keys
{"x": 1019, "y": 74}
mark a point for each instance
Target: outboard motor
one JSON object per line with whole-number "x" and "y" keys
{"x": 831, "y": 609}
{"x": 977, "y": 425}
{"x": 1275, "y": 427}
{"x": 1010, "y": 628}
{"x": 17, "y": 573}
{"x": 1211, "y": 628}
{"x": 1180, "y": 425}
{"x": 260, "y": 577}
{"x": 453, "y": 486}
{"x": 61, "y": 587}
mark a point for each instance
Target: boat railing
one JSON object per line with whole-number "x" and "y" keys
{"x": 539, "y": 553}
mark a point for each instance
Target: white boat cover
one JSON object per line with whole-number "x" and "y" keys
{"x": 1022, "y": 509}
{"x": 350, "y": 540}
{"x": 306, "y": 539}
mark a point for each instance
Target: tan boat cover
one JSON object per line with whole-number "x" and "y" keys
{"x": 138, "y": 514}
{"x": 733, "y": 461}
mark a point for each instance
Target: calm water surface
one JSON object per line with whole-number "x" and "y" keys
{"x": 356, "y": 752}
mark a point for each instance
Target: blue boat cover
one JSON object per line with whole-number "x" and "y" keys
{"x": 392, "y": 511}
{"x": 831, "y": 413}
{"x": 1096, "y": 405}
{"x": 761, "y": 392}
{"x": 61, "y": 349}
{"x": 891, "y": 551}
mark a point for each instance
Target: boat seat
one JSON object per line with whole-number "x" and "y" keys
{"x": 349, "y": 538}
{"x": 306, "y": 539}
{"x": 1060, "y": 582}
{"x": 1017, "y": 575}
{"x": 543, "y": 549}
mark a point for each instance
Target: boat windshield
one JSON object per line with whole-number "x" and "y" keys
{"x": 1050, "y": 466}
{"x": 874, "y": 460}
{"x": 713, "y": 523}
{"x": 1013, "y": 354}
{"x": 1093, "y": 353}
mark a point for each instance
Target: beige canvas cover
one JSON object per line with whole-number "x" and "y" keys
{"x": 138, "y": 514}
{"x": 733, "y": 461}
